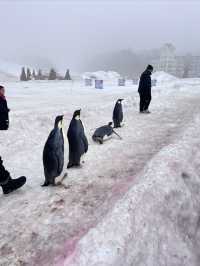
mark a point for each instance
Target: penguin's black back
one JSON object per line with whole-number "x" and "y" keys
{"x": 118, "y": 113}
{"x": 103, "y": 131}
{"x": 53, "y": 154}
{"x": 78, "y": 143}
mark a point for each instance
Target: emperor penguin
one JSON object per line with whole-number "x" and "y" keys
{"x": 53, "y": 153}
{"x": 78, "y": 143}
{"x": 118, "y": 113}
{"x": 101, "y": 132}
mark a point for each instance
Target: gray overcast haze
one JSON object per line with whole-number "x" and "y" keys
{"x": 71, "y": 33}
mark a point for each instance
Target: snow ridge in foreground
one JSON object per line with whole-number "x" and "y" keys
{"x": 157, "y": 222}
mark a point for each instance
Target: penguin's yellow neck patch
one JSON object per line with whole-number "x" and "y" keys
{"x": 77, "y": 117}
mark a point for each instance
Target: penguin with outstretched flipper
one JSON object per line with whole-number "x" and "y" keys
{"x": 102, "y": 132}
{"x": 53, "y": 154}
{"x": 78, "y": 143}
{"x": 118, "y": 113}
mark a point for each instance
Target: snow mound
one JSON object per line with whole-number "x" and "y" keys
{"x": 157, "y": 221}
{"x": 162, "y": 76}
{"x": 110, "y": 75}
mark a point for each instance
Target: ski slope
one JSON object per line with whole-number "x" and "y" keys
{"x": 95, "y": 218}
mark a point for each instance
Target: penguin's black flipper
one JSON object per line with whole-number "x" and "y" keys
{"x": 70, "y": 165}
{"x": 85, "y": 142}
{"x": 117, "y": 134}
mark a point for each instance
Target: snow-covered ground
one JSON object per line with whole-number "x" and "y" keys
{"x": 109, "y": 211}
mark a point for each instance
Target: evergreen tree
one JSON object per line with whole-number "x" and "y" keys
{"x": 52, "y": 74}
{"x": 39, "y": 75}
{"x": 67, "y": 75}
{"x": 23, "y": 75}
{"x": 33, "y": 74}
{"x": 28, "y": 75}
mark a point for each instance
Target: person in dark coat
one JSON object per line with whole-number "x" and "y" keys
{"x": 145, "y": 90}
{"x": 78, "y": 143}
{"x": 7, "y": 183}
{"x": 4, "y": 118}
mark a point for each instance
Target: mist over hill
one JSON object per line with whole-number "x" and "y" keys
{"x": 126, "y": 62}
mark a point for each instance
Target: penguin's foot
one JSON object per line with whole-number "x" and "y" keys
{"x": 76, "y": 165}
{"x": 45, "y": 184}
{"x": 70, "y": 165}
{"x": 48, "y": 183}
{"x": 99, "y": 140}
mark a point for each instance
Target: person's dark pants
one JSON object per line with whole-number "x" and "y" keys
{"x": 144, "y": 102}
{"x": 4, "y": 123}
{"x": 3, "y": 126}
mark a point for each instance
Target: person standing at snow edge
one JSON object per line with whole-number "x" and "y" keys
{"x": 144, "y": 90}
{"x": 7, "y": 183}
{"x": 4, "y": 118}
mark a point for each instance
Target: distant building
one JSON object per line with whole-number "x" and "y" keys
{"x": 194, "y": 67}
{"x": 180, "y": 66}
{"x": 167, "y": 61}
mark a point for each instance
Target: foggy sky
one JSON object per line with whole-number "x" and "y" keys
{"x": 69, "y": 33}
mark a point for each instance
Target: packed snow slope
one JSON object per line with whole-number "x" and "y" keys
{"x": 135, "y": 201}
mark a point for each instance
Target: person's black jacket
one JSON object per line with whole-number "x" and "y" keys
{"x": 145, "y": 83}
{"x": 4, "y": 175}
{"x": 4, "y": 118}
